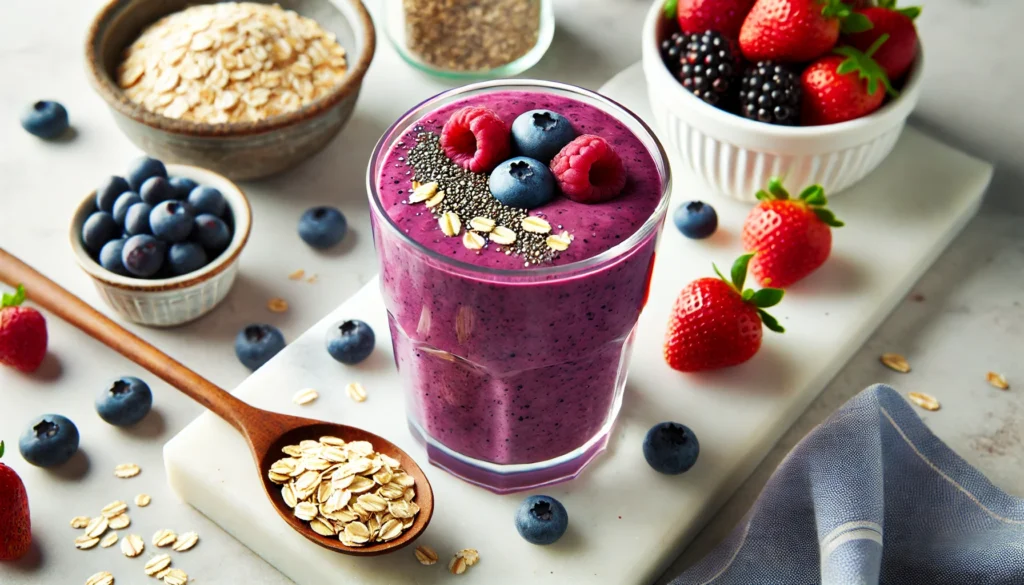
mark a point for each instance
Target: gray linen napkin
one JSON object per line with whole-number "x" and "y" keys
{"x": 872, "y": 496}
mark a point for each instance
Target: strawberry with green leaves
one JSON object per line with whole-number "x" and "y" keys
{"x": 792, "y": 237}
{"x": 716, "y": 323}
{"x": 697, "y": 16}
{"x": 796, "y": 30}
{"x": 15, "y": 521}
{"x": 22, "y": 333}
{"x": 844, "y": 86}
{"x": 897, "y": 54}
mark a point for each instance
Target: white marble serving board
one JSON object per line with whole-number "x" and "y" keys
{"x": 626, "y": 521}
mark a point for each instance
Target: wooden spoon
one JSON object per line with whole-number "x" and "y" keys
{"x": 266, "y": 432}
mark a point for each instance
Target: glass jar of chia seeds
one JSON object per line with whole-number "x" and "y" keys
{"x": 470, "y": 38}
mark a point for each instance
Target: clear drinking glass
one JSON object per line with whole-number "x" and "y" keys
{"x": 500, "y": 395}
{"x": 470, "y": 38}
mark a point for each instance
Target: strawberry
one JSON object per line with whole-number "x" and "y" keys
{"x": 697, "y": 16}
{"x": 796, "y": 30}
{"x": 897, "y": 54}
{"x": 15, "y": 522}
{"x": 844, "y": 86}
{"x": 22, "y": 333}
{"x": 715, "y": 323}
{"x": 792, "y": 238}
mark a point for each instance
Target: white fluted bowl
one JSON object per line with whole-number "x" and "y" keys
{"x": 170, "y": 301}
{"x": 737, "y": 156}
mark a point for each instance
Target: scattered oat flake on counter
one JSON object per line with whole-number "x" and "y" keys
{"x": 997, "y": 380}
{"x": 132, "y": 545}
{"x": 109, "y": 540}
{"x": 97, "y": 526}
{"x": 471, "y": 555}
{"x": 164, "y": 538}
{"x": 925, "y": 401}
{"x": 356, "y": 392}
{"x": 186, "y": 542}
{"x": 114, "y": 509}
{"x": 127, "y": 470}
{"x": 277, "y": 305}
{"x": 86, "y": 542}
{"x": 426, "y": 555}
{"x": 312, "y": 279}
{"x": 80, "y": 521}
{"x": 157, "y": 564}
{"x": 175, "y": 577}
{"x": 120, "y": 522}
{"x": 895, "y": 361}
{"x": 297, "y": 275}
{"x": 101, "y": 578}
{"x": 142, "y": 500}
{"x": 457, "y": 565}
{"x": 305, "y": 396}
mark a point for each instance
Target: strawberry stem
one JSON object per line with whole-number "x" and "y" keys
{"x": 670, "y": 8}
{"x": 850, "y": 20}
{"x": 1, "y": 449}
{"x": 14, "y": 300}
{"x": 761, "y": 299}
{"x": 910, "y": 12}
{"x": 865, "y": 67}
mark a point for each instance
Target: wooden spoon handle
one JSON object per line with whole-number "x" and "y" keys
{"x": 60, "y": 302}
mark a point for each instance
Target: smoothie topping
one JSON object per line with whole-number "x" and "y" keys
{"x": 502, "y": 235}
{"x": 537, "y": 225}
{"x": 559, "y": 242}
{"x": 346, "y": 490}
{"x": 422, "y": 192}
{"x": 482, "y": 224}
{"x": 450, "y": 223}
{"x": 473, "y": 240}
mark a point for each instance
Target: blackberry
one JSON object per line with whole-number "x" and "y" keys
{"x": 770, "y": 92}
{"x": 672, "y": 51}
{"x": 709, "y": 68}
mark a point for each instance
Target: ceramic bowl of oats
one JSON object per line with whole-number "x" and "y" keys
{"x": 245, "y": 89}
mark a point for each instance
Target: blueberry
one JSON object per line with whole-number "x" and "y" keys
{"x": 171, "y": 221}
{"x": 45, "y": 119}
{"x": 522, "y": 182}
{"x": 137, "y": 220}
{"x": 182, "y": 186}
{"x": 143, "y": 168}
{"x": 49, "y": 440}
{"x": 98, "y": 229}
{"x": 156, "y": 190}
{"x": 256, "y": 344}
{"x": 108, "y": 192}
{"x": 185, "y": 257}
{"x": 110, "y": 257}
{"x": 350, "y": 342}
{"x": 123, "y": 204}
{"x": 143, "y": 255}
{"x": 695, "y": 219}
{"x": 322, "y": 227}
{"x": 671, "y": 448}
{"x": 541, "y": 519}
{"x": 124, "y": 402}
{"x": 207, "y": 200}
{"x": 540, "y": 134}
{"x": 211, "y": 233}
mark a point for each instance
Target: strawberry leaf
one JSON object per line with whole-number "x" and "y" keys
{"x": 886, "y": 3}
{"x": 814, "y": 196}
{"x": 719, "y": 273}
{"x": 826, "y": 216}
{"x": 770, "y": 322}
{"x": 767, "y": 297}
{"x": 866, "y": 68}
{"x": 911, "y": 12}
{"x": 670, "y": 8}
{"x": 763, "y": 195}
{"x": 856, "y": 23}
{"x": 1, "y": 448}
{"x": 777, "y": 190}
{"x": 747, "y": 294}
{"x": 739, "y": 271}
{"x": 14, "y": 300}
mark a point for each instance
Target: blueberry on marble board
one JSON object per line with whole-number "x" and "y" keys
{"x": 49, "y": 440}
{"x": 541, "y": 519}
{"x": 123, "y": 204}
{"x": 671, "y": 448}
{"x": 110, "y": 257}
{"x": 45, "y": 119}
{"x": 350, "y": 342}
{"x": 137, "y": 220}
{"x": 322, "y": 227}
{"x": 98, "y": 229}
{"x": 257, "y": 343}
{"x": 143, "y": 255}
{"x": 143, "y": 168}
{"x": 124, "y": 402}
{"x": 108, "y": 192}
{"x": 695, "y": 219}
{"x": 211, "y": 233}
{"x": 522, "y": 182}
{"x": 207, "y": 200}
{"x": 171, "y": 221}
{"x": 540, "y": 134}
{"x": 181, "y": 186}
{"x": 185, "y": 257}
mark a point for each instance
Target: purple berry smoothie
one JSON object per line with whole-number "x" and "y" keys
{"x": 513, "y": 369}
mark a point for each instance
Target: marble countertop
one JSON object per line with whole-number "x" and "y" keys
{"x": 964, "y": 318}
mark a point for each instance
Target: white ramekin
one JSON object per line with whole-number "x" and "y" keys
{"x": 737, "y": 156}
{"x": 170, "y": 301}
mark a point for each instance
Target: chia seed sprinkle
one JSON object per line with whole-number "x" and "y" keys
{"x": 468, "y": 195}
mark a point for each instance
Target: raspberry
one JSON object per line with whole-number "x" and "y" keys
{"x": 475, "y": 139}
{"x": 588, "y": 170}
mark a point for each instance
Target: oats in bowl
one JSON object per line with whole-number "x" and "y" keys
{"x": 231, "y": 62}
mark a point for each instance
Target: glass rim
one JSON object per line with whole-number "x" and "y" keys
{"x": 621, "y": 249}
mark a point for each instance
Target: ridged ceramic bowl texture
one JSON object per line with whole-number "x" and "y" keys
{"x": 736, "y": 156}
{"x": 243, "y": 150}
{"x": 170, "y": 301}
